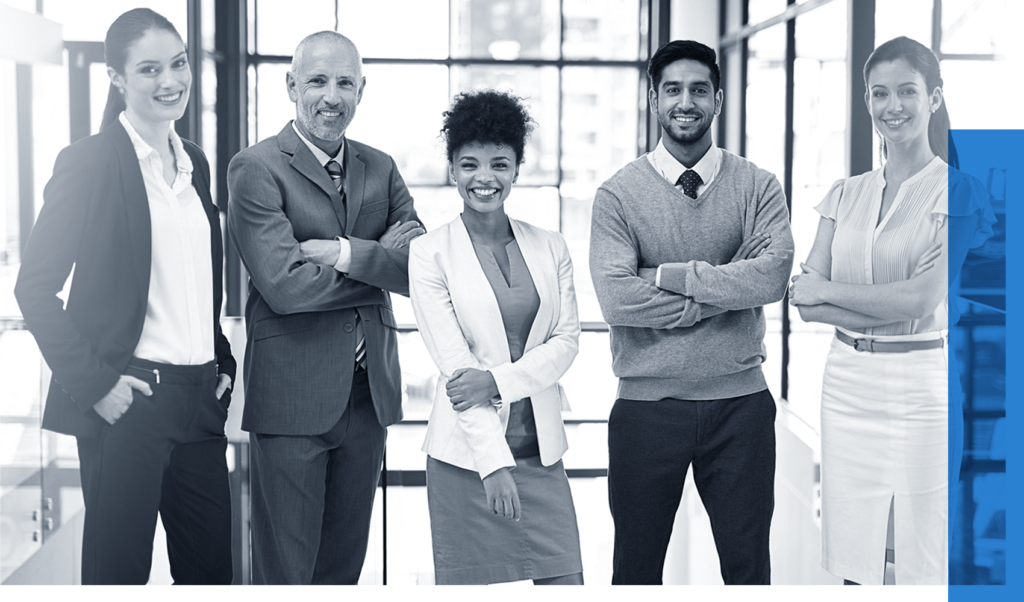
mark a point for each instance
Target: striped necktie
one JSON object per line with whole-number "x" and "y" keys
{"x": 338, "y": 177}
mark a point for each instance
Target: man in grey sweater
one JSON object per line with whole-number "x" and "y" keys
{"x": 687, "y": 244}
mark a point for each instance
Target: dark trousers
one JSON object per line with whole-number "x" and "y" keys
{"x": 165, "y": 454}
{"x": 312, "y": 497}
{"x": 731, "y": 445}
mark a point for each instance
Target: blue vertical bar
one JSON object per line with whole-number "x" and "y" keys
{"x": 986, "y": 502}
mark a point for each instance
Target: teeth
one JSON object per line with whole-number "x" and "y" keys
{"x": 685, "y": 119}
{"x": 895, "y": 122}
{"x": 485, "y": 191}
{"x": 169, "y": 97}
{"x": 330, "y": 113}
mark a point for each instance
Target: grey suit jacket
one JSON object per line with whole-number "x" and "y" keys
{"x": 300, "y": 316}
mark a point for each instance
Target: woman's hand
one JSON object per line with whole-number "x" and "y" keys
{"x": 502, "y": 495}
{"x": 114, "y": 404}
{"x": 470, "y": 387}
{"x": 807, "y": 288}
{"x": 223, "y": 384}
{"x": 927, "y": 260}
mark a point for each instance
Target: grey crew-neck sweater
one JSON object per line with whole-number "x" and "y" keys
{"x": 701, "y": 334}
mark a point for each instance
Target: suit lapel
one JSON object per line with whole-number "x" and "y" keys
{"x": 539, "y": 261}
{"x": 303, "y": 161}
{"x": 136, "y": 204}
{"x": 355, "y": 179}
{"x": 485, "y": 304}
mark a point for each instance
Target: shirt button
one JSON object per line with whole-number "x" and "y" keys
{"x": 348, "y": 328}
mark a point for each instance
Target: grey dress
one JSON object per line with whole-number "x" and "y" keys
{"x": 471, "y": 544}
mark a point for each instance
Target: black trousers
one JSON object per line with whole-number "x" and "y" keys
{"x": 731, "y": 445}
{"x": 312, "y": 497}
{"x": 166, "y": 455}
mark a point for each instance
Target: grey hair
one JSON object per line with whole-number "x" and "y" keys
{"x": 321, "y": 38}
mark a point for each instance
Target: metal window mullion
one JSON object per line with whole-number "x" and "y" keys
{"x": 787, "y": 183}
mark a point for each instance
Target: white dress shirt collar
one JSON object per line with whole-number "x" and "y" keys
{"x": 670, "y": 168}
{"x": 320, "y": 155}
{"x": 143, "y": 149}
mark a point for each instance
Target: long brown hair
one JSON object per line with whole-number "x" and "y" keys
{"x": 922, "y": 60}
{"x": 123, "y": 32}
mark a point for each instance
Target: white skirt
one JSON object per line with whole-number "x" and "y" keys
{"x": 884, "y": 433}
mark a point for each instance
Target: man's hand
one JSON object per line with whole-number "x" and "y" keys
{"x": 399, "y": 235}
{"x": 752, "y": 247}
{"x": 470, "y": 387}
{"x": 324, "y": 252}
{"x": 114, "y": 404}
{"x": 502, "y": 494}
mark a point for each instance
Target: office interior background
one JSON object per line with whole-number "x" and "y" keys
{"x": 793, "y": 105}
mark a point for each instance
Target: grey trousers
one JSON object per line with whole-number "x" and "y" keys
{"x": 312, "y": 497}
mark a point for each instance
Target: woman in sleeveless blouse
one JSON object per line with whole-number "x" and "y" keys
{"x": 877, "y": 273}
{"x": 495, "y": 304}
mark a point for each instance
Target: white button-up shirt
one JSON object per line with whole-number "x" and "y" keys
{"x": 179, "y": 316}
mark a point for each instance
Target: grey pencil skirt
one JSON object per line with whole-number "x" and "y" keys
{"x": 472, "y": 545}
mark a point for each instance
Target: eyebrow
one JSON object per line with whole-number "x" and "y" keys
{"x": 898, "y": 86}
{"x": 175, "y": 57}
{"x": 701, "y": 82}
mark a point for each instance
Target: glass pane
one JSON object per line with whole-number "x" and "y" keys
{"x": 607, "y": 30}
{"x": 911, "y": 18}
{"x": 599, "y": 136}
{"x": 421, "y": 32}
{"x": 20, "y": 459}
{"x": 766, "y": 99}
{"x": 974, "y": 26}
{"x": 528, "y": 29}
{"x": 280, "y": 26}
{"x": 273, "y": 107}
{"x": 89, "y": 21}
{"x": 819, "y": 159}
{"x": 409, "y": 132}
{"x": 539, "y": 86}
{"x": 765, "y": 146}
{"x": 759, "y": 10}
{"x": 10, "y": 229}
{"x": 961, "y": 80}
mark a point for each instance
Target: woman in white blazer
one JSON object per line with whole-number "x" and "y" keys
{"x": 496, "y": 307}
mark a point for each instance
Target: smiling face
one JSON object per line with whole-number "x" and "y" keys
{"x": 484, "y": 174}
{"x": 326, "y": 86}
{"x": 900, "y": 102}
{"x": 686, "y": 102}
{"x": 157, "y": 78}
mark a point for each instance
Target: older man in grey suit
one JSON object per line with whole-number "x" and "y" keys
{"x": 322, "y": 224}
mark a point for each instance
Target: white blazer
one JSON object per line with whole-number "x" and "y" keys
{"x": 461, "y": 324}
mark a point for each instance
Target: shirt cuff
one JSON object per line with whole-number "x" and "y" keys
{"x": 344, "y": 255}
{"x": 657, "y": 278}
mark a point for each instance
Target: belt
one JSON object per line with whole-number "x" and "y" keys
{"x": 876, "y": 346}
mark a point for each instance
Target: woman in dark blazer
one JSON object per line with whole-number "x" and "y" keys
{"x": 141, "y": 370}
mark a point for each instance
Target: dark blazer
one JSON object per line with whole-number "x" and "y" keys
{"x": 96, "y": 219}
{"x": 300, "y": 317}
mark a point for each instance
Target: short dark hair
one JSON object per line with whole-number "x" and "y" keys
{"x": 677, "y": 50}
{"x": 487, "y": 116}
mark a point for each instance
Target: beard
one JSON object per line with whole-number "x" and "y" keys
{"x": 306, "y": 117}
{"x": 680, "y": 137}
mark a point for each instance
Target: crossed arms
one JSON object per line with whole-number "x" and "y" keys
{"x": 289, "y": 280}
{"x": 691, "y": 291}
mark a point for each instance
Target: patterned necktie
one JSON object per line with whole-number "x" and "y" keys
{"x": 338, "y": 177}
{"x": 690, "y": 180}
{"x": 334, "y": 170}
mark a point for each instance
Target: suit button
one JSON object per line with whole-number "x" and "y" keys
{"x": 348, "y": 328}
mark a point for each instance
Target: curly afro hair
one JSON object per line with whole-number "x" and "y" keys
{"x": 487, "y": 116}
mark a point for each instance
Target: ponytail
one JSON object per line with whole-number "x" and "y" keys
{"x": 123, "y": 32}
{"x": 940, "y": 139}
{"x": 115, "y": 105}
